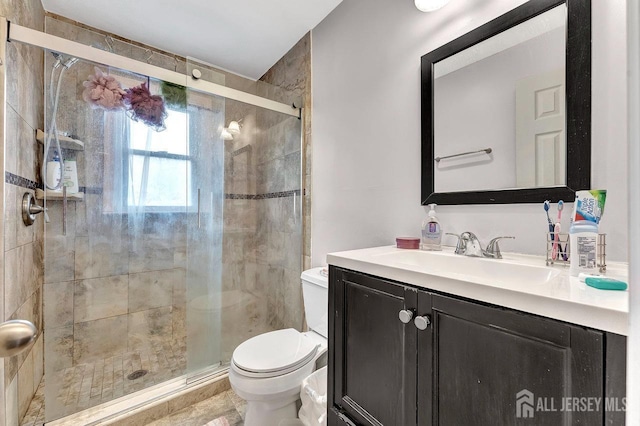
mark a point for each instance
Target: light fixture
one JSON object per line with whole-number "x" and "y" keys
{"x": 234, "y": 128}
{"x": 430, "y": 5}
{"x": 226, "y": 136}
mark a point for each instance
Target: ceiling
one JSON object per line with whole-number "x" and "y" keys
{"x": 245, "y": 37}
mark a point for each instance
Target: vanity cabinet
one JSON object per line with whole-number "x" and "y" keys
{"x": 467, "y": 364}
{"x": 372, "y": 354}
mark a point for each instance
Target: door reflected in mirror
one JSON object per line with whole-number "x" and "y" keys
{"x": 499, "y": 110}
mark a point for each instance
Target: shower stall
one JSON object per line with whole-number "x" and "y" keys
{"x": 176, "y": 243}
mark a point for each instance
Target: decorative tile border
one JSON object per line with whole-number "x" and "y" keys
{"x": 281, "y": 194}
{"x": 91, "y": 190}
{"x": 12, "y": 179}
{"x": 23, "y": 182}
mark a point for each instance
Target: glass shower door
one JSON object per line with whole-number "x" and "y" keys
{"x": 116, "y": 251}
{"x": 245, "y": 260}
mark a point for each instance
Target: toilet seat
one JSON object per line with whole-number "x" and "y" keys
{"x": 274, "y": 354}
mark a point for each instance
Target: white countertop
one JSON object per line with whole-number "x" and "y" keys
{"x": 557, "y": 295}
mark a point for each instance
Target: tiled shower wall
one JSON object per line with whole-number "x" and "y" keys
{"x": 23, "y": 246}
{"x": 263, "y": 228}
{"x": 293, "y": 73}
{"x": 266, "y": 238}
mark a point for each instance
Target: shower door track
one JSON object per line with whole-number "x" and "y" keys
{"x": 118, "y": 409}
{"x": 36, "y": 38}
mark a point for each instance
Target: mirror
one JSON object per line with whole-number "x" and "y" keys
{"x": 506, "y": 109}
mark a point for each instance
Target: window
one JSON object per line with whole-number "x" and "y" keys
{"x": 160, "y": 165}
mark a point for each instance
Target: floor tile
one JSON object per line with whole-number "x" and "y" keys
{"x": 89, "y": 384}
{"x": 219, "y": 410}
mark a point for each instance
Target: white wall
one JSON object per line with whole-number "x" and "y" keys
{"x": 366, "y": 125}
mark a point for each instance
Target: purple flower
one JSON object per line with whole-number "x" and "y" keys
{"x": 145, "y": 107}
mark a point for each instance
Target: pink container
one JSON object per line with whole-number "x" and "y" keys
{"x": 408, "y": 243}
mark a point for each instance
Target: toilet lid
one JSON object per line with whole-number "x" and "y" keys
{"x": 276, "y": 351}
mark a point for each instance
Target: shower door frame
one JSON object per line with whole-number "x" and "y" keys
{"x": 16, "y": 33}
{"x": 81, "y": 51}
{"x": 4, "y": 30}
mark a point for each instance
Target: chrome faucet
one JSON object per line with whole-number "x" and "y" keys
{"x": 493, "y": 249}
{"x": 472, "y": 246}
{"x": 469, "y": 245}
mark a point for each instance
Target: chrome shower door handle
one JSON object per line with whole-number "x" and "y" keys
{"x": 64, "y": 210}
{"x": 295, "y": 212}
{"x": 16, "y": 336}
{"x": 199, "y": 223}
{"x": 211, "y": 209}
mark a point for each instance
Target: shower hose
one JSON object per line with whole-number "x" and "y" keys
{"x": 52, "y": 134}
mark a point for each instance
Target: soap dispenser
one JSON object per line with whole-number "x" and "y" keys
{"x": 431, "y": 232}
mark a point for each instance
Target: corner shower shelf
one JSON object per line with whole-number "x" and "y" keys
{"x": 65, "y": 141}
{"x": 57, "y": 195}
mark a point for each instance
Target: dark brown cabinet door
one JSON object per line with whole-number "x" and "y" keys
{"x": 477, "y": 359}
{"x": 372, "y": 354}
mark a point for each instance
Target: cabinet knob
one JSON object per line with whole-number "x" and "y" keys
{"x": 422, "y": 322}
{"x": 405, "y": 315}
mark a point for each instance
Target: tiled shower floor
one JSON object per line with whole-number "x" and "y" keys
{"x": 87, "y": 385}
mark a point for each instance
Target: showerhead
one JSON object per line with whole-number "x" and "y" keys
{"x": 70, "y": 62}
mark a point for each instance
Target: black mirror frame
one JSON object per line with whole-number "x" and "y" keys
{"x": 578, "y": 107}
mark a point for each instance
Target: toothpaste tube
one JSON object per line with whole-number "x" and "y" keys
{"x": 589, "y": 205}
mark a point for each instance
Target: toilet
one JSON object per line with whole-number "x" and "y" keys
{"x": 267, "y": 370}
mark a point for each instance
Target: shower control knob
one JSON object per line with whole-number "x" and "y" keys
{"x": 196, "y": 73}
{"x": 30, "y": 209}
{"x": 405, "y": 315}
{"x": 422, "y": 322}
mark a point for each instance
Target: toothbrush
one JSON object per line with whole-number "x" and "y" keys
{"x": 547, "y": 206}
{"x": 557, "y": 228}
{"x": 560, "y": 207}
{"x": 554, "y": 253}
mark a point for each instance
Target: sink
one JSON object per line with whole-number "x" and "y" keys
{"x": 491, "y": 271}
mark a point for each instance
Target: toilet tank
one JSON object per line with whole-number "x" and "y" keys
{"x": 315, "y": 292}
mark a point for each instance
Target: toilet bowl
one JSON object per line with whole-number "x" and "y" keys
{"x": 267, "y": 370}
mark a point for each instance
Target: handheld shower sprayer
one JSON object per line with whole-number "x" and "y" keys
{"x": 69, "y": 63}
{"x": 52, "y": 133}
